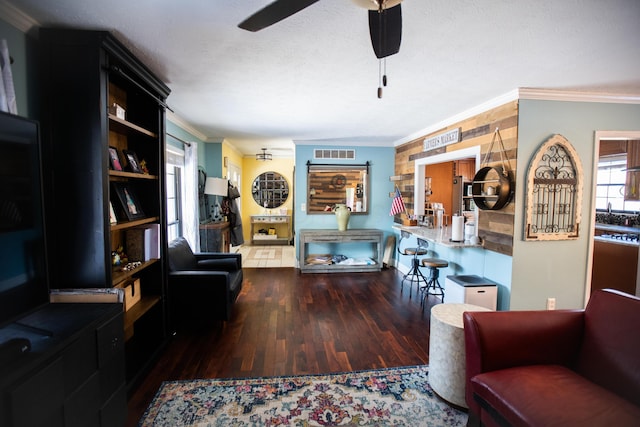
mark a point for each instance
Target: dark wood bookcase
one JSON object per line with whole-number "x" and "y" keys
{"x": 83, "y": 74}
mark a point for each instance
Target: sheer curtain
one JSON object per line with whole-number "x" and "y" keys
{"x": 190, "y": 213}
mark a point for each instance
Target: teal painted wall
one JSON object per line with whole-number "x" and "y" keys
{"x": 209, "y": 153}
{"x": 381, "y": 160}
{"x": 173, "y": 129}
{"x": 468, "y": 261}
{"x": 559, "y": 269}
{"x": 213, "y": 159}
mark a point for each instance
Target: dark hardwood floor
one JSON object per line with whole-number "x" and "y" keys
{"x": 287, "y": 323}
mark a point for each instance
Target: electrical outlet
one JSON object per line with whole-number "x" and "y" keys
{"x": 303, "y": 207}
{"x": 551, "y": 303}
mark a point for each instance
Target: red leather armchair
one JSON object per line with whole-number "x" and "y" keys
{"x": 555, "y": 368}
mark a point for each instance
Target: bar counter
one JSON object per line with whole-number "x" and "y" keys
{"x": 439, "y": 236}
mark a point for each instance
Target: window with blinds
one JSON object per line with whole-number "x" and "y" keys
{"x": 610, "y": 185}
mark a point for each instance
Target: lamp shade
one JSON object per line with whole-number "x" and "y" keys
{"x": 216, "y": 186}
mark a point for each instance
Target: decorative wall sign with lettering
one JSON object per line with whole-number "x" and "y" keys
{"x": 441, "y": 140}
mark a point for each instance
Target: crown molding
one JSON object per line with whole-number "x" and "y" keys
{"x": 578, "y": 96}
{"x": 231, "y": 147}
{"x": 474, "y": 111}
{"x": 178, "y": 121}
{"x": 346, "y": 142}
{"x": 524, "y": 93}
{"x": 16, "y": 17}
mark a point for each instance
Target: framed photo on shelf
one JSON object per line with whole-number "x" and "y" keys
{"x": 132, "y": 161}
{"x": 114, "y": 159}
{"x": 112, "y": 214}
{"x": 128, "y": 201}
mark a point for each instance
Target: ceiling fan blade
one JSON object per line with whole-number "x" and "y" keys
{"x": 385, "y": 29}
{"x": 274, "y": 12}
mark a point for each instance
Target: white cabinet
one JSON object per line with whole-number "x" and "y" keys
{"x": 471, "y": 290}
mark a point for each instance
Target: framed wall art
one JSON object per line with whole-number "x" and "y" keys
{"x": 128, "y": 201}
{"x": 133, "y": 164}
{"x": 330, "y": 184}
{"x": 114, "y": 159}
{"x": 112, "y": 215}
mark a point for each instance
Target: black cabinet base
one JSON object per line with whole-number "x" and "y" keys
{"x": 73, "y": 374}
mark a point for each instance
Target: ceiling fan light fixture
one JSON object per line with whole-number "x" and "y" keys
{"x": 264, "y": 156}
{"x": 377, "y": 4}
{"x": 385, "y": 28}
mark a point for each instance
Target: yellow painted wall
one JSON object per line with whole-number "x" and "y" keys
{"x": 232, "y": 156}
{"x": 251, "y": 168}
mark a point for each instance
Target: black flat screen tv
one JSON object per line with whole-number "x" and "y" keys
{"x": 23, "y": 262}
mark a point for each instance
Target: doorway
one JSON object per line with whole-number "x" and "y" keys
{"x": 234, "y": 174}
{"x": 601, "y": 264}
{"x": 466, "y": 156}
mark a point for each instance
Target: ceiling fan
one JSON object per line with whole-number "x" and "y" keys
{"x": 385, "y": 21}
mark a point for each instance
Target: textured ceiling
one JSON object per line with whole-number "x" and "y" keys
{"x": 313, "y": 77}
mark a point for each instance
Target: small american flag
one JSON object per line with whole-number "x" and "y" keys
{"x": 397, "y": 206}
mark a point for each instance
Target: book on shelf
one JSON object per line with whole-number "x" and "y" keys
{"x": 80, "y": 295}
{"x": 143, "y": 243}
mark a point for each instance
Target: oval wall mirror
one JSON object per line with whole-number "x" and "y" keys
{"x": 270, "y": 190}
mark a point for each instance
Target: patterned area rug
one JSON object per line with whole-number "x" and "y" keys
{"x": 387, "y": 397}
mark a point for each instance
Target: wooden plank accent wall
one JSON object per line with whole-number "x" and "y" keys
{"x": 495, "y": 228}
{"x": 326, "y": 194}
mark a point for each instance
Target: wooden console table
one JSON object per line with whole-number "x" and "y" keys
{"x": 215, "y": 236}
{"x": 372, "y": 236}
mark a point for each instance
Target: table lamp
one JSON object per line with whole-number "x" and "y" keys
{"x": 216, "y": 187}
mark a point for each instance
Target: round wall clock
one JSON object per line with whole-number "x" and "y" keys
{"x": 339, "y": 181}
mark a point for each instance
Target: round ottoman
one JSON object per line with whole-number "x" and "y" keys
{"x": 446, "y": 351}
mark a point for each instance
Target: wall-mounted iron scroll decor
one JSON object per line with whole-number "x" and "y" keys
{"x": 554, "y": 192}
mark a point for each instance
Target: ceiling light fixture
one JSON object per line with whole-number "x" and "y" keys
{"x": 264, "y": 155}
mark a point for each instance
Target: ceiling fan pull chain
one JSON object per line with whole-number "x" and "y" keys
{"x": 380, "y": 78}
{"x": 384, "y": 76}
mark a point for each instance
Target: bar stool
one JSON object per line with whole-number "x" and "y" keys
{"x": 432, "y": 286}
{"x": 414, "y": 275}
